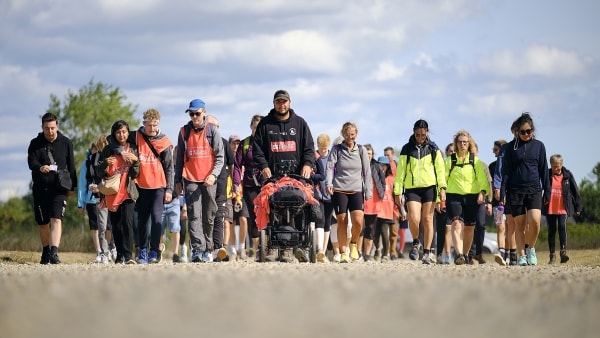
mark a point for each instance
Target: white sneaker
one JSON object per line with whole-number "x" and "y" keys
{"x": 337, "y": 258}
{"x": 98, "y": 258}
{"x": 232, "y": 254}
{"x": 104, "y": 258}
{"x": 184, "y": 253}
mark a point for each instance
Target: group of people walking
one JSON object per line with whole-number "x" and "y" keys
{"x": 206, "y": 185}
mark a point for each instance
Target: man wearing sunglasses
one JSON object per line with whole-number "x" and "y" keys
{"x": 199, "y": 160}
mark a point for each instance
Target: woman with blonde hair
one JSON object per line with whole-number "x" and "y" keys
{"x": 349, "y": 183}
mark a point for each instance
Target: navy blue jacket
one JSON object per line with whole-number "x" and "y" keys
{"x": 525, "y": 168}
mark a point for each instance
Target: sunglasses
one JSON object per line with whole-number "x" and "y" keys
{"x": 195, "y": 114}
{"x": 525, "y": 131}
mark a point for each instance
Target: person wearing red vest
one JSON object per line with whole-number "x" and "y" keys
{"x": 199, "y": 160}
{"x": 155, "y": 184}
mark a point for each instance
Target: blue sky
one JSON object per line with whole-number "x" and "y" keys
{"x": 473, "y": 65}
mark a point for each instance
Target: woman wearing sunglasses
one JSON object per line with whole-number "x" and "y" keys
{"x": 524, "y": 177}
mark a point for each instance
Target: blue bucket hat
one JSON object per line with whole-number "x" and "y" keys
{"x": 383, "y": 160}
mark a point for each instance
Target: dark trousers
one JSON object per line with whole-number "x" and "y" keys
{"x": 553, "y": 222}
{"x": 440, "y": 220}
{"x": 122, "y": 223}
{"x": 149, "y": 206}
{"x": 219, "y": 225}
{"x": 478, "y": 237}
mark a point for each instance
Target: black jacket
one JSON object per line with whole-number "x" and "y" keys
{"x": 525, "y": 169}
{"x": 37, "y": 156}
{"x": 282, "y": 145}
{"x": 570, "y": 193}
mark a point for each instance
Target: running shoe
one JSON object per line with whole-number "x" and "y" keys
{"x": 184, "y": 253}
{"x": 321, "y": 257}
{"x": 426, "y": 259}
{"x": 337, "y": 258}
{"x": 153, "y": 257}
{"x": 344, "y": 258}
{"x": 142, "y": 256}
{"x": 354, "y": 252}
{"x": 301, "y": 255}
{"x": 499, "y": 259}
{"x": 531, "y": 257}
{"x": 448, "y": 259}
{"x": 104, "y": 258}
{"x": 522, "y": 260}
{"x": 54, "y": 259}
{"x": 45, "y": 256}
{"x": 207, "y": 256}
{"x": 414, "y": 253}
{"x": 563, "y": 256}
{"x": 98, "y": 259}
{"x": 222, "y": 254}
{"x": 196, "y": 256}
{"x": 460, "y": 260}
{"x": 440, "y": 259}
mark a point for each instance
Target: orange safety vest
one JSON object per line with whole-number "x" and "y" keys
{"x": 199, "y": 156}
{"x": 152, "y": 174}
{"x": 112, "y": 202}
{"x": 372, "y": 206}
{"x": 386, "y": 206}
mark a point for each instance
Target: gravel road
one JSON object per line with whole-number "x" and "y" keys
{"x": 246, "y": 299}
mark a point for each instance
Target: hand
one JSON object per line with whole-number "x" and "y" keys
{"x": 266, "y": 172}
{"x": 330, "y": 191}
{"x": 178, "y": 188}
{"x": 306, "y": 170}
{"x": 497, "y": 194}
{"x": 168, "y": 198}
{"x": 45, "y": 169}
{"x": 210, "y": 180}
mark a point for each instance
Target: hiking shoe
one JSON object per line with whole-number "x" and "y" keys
{"x": 432, "y": 258}
{"x": 344, "y": 258}
{"x": 563, "y": 256}
{"x": 552, "y": 260}
{"x": 499, "y": 259}
{"x": 161, "y": 249}
{"x": 301, "y": 255}
{"x": 207, "y": 256}
{"x": 448, "y": 259}
{"x": 142, "y": 256}
{"x": 45, "y": 259}
{"x": 522, "y": 260}
{"x": 531, "y": 257}
{"x": 354, "y": 252}
{"x": 321, "y": 257}
{"x": 426, "y": 259}
{"x": 176, "y": 258}
{"x": 196, "y": 256}
{"x": 479, "y": 258}
{"x": 153, "y": 257}
{"x": 460, "y": 260}
{"x": 54, "y": 259}
{"x": 337, "y": 258}
{"x": 414, "y": 253}
{"x": 222, "y": 254}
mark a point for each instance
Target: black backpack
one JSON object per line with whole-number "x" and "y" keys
{"x": 454, "y": 159}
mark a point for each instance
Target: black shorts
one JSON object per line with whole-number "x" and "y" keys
{"x": 48, "y": 204}
{"x": 462, "y": 207}
{"x": 344, "y": 202}
{"x": 421, "y": 195}
{"x": 521, "y": 202}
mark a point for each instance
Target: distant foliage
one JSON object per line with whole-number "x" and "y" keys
{"x": 590, "y": 195}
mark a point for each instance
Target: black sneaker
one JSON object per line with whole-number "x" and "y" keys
{"x": 176, "y": 258}
{"x": 45, "y": 257}
{"x": 54, "y": 259}
{"x": 563, "y": 256}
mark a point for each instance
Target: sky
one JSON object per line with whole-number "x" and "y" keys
{"x": 383, "y": 64}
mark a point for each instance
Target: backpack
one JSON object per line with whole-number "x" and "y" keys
{"x": 245, "y": 146}
{"x": 454, "y": 159}
{"x": 434, "y": 149}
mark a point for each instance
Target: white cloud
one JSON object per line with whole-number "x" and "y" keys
{"x": 540, "y": 60}
{"x": 388, "y": 70}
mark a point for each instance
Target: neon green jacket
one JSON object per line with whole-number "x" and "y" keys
{"x": 463, "y": 180}
{"x": 417, "y": 170}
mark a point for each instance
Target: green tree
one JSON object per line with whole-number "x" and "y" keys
{"x": 85, "y": 115}
{"x": 590, "y": 196}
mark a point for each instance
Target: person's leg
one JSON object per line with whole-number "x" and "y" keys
{"x": 157, "y": 226}
{"x": 143, "y": 210}
{"x": 92, "y": 213}
{"x": 370, "y": 235}
{"x": 562, "y": 237}
{"x": 393, "y": 236}
{"x": 428, "y": 232}
{"x": 249, "y": 194}
{"x": 127, "y": 210}
{"x": 385, "y": 238}
{"x": 218, "y": 232}
{"x": 194, "y": 212}
{"x": 552, "y": 221}
{"x": 209, "y": 206}
{"x": 440, "y": 229}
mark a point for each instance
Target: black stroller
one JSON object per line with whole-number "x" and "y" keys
{"x": 291, "y": 221}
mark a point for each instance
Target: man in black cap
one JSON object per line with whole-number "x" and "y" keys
{"x": 283, "y": 144}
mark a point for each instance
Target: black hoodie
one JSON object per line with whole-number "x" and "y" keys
{"x": 37, "y": 156}
{"x": 277, "y": 143}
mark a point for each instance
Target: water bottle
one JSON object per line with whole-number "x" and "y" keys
{"x": 499, "y": 217}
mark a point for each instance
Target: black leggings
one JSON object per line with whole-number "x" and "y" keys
{"x": 327, "y": 212}
{"x": 553, "y": 221}
{"x": 440, "y": 219}
{"x": 382, "y": 231}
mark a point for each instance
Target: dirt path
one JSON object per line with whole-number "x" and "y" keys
{"x": 298, "y": 300}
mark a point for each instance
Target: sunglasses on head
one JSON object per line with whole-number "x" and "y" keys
{"x": 525, "y": 131}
